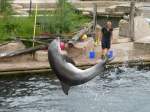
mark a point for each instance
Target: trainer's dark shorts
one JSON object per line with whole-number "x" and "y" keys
{"x": 106, "y": 44}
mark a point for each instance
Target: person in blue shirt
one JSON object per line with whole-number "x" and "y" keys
{"x": 106, "y": 38}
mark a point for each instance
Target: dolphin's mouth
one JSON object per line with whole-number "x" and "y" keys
{"x": 58, "y": 45}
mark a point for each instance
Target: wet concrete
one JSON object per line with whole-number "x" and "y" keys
{"x": 124, "y": 53}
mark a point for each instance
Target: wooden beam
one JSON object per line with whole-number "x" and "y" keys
{"x": 23, "y": 51}
{"x": 81, "y": 32}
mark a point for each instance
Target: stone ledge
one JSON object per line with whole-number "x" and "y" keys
{"x": 12, "y": 46}
{"x": 41, "y": 55}
{"x": 20, "y": 58}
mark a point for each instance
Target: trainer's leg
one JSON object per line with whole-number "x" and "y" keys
{"x": 106, "y": 51}
{"x": 103, "y": 49}
{"x": 107, "y": 47}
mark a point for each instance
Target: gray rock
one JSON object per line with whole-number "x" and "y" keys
{"x": 124, "y": 28}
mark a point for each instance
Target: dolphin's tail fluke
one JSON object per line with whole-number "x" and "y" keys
{"x": 65, "y": 88}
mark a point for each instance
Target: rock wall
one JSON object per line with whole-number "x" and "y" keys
{"x": 124, "y": 28}
{"x": 119, "y": 0}
{"x": 14, "y": 46}
{"x": 142, "y": 28}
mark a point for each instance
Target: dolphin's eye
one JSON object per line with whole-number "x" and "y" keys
{"x": 54, "y": 46}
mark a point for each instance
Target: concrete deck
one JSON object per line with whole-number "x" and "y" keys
{"x": 104, "y": 7}
{"x": 124, "y": 52}
{"x": 137, "y": 53}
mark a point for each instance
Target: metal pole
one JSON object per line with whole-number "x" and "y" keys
{"x": 30, "y": 8}
{"x": 94, "y": 16}
{"x": 131, "y": 21}
{"x": 0, "y": 5}
{"x": 35, "y": 20}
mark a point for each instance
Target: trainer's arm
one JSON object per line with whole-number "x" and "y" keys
{"x": 100, "y": 35}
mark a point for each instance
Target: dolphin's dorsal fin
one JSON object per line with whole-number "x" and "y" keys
{"x": 65, "y": 88}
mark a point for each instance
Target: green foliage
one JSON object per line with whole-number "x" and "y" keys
{"x": 16, "y": 26}
{"x": 24, "y": 27}
{"x": 65, "y": 19}
{"x": 5, "y": 7}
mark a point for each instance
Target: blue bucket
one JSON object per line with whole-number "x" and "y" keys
{"x": 110, "y": 54}
{"x": 92, "y": 54}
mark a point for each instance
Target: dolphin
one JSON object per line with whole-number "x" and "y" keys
{"x": 65, "y": 70}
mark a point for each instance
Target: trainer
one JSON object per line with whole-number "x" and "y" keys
{"x": 106, "y": 38}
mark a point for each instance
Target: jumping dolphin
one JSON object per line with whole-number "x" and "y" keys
{"x": 67, "y": 73}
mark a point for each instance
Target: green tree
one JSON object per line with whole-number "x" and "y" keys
{"x": 65, "y": 19}
{"x": 5, "y": 6}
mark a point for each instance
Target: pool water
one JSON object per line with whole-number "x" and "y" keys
{"x": 125, "y": 91}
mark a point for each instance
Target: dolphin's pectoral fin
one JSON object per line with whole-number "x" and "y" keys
{"x": 68, "y": 59}
{"x": 65, "y": 88}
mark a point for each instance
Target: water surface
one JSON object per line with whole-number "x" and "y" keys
{"x": 128, "y": 91}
